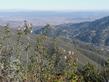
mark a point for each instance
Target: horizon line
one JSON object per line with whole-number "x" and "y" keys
{"x": 30, "y": 10}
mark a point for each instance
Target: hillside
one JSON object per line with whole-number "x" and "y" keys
{"x": 95, "y": 32}
{"x": 90, "y": 38}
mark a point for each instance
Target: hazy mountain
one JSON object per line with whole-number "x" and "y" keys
{"x": 96, "y": 32}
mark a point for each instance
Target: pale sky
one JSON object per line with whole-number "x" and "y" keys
{"x": 55, "y": 5}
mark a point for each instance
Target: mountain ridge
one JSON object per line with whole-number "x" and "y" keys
{"x": 95, "y": 32}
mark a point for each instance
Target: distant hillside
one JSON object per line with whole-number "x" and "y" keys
{"x": 95, "y": 32}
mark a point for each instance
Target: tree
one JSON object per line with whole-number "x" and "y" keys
{"x": 90, "y": 74}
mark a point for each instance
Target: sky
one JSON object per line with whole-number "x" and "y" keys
{"x": 55, "y": 5}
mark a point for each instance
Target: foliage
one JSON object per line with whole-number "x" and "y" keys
{"x": 90, "y": 74}
{"x": 25, "y": 57}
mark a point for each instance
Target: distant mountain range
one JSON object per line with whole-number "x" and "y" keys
{"x": 95, "y": 32}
